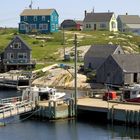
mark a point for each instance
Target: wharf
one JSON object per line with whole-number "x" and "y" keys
{"x": 11, "y": 81}
{"x": 115, "y": 111}
{"x": 55, "y": 109}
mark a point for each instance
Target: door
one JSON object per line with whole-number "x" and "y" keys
{"x": 135, "y": 78}
{"x": 95, "y": 26}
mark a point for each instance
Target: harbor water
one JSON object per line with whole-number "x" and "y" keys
{"x": 82, "y": 128}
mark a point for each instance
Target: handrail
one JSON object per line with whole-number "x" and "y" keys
{"x": 11, "y": 100}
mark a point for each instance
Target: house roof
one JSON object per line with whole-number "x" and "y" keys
{"x": 69, "y": 22}
{"x": 27, "y": 46}
{"x": 98, "y": 17}
{"x": 36, "y": 12}
{"x": 128, "y": 62}
{"x": 129, "y": 19}
{"x": 102, "y": 51}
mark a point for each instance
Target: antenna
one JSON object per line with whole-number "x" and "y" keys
{"x": 30, "y": 6}
{"x": 93, "y": 9}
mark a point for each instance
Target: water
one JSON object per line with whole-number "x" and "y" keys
{"x": 79, "y": 129}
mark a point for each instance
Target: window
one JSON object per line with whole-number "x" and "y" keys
{"x": 32, "y": 26}
{"x": 22, "y": 26}
{"x": 25, "y": 18}
{"x": 53, "y": 26}
{"x": 10, "y": 55}
{"x": 55, "y": 18}
{"x": 88, "y": 25}
{"x": 22, "y": 55}
{"x": 35, "y": 18}
{"x": 102, "y": 25}
{"x": 56, "y": 26}
{"x": 43, "y": 26}
{"x": 16, "y": 45}
{"x": 43, "y": 18}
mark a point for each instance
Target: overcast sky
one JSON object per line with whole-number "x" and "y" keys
{"x": 67, "y": 9}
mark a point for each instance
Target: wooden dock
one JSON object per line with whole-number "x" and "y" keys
{"x": 116, "y": 111}
{"x": 56, "y": 109}
{"x": 15, "y": 81}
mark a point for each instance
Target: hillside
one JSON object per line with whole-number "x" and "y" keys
{"x": 50, "y": 47}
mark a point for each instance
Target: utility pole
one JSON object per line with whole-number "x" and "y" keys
{"x": 64, "y": 43}
{"x": 75, "y": 81}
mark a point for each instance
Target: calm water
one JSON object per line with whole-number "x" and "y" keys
{"x": 80, "y": 129}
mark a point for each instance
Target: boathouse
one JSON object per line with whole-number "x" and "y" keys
{"x": 97, "y": 54}
{"x": 120, "y": 69}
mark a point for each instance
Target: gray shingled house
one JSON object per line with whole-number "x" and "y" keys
{"x": 97, "y": 54}
{"x": 129, "y": 23}
{"x": 17, "y": 55}
{"x": 120, "y": 69}
{"x": 100, "y": 21}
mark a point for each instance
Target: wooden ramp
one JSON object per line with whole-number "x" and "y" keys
{"x": 9, "y": 109}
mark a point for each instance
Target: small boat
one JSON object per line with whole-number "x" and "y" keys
{"x": 45, "y": 93}
{"x": 131, "y": 93}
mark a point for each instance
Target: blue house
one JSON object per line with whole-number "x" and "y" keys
{"x": 38, "y": 20}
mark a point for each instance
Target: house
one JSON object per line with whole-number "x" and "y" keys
{"x": 97, "y": 54}
{"x": 17, "y": 55}
{"x": 120, "y": 69}
{"x": 38, "y": 20}
{"x": 70, "y": 24}
{"x": 129, "y": 23}
{"x": 100, "y": 21}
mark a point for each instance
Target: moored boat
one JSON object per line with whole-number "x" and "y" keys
{"x": 132, "y": 93}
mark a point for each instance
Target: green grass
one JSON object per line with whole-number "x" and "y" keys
{"x": 46, "y": 50}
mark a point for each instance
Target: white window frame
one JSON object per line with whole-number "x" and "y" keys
{"x": 42, "y": 27}
{"x": 16, "y": 45}
{"x": 22, "y": 54}
{"x": 53, "y": 26}
{"x": 10, "y": 55}
{"x": 35, "y": 18}
{"x": 43, "y": 18}
{"x": 25, "y": 18}
{"x": 32, "y": 26}
{"x": 22, "y": 26}
{"x": 103, "y": 25}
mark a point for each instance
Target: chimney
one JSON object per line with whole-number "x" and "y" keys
{"x": 85, "y": 13}
{"x": 126, "y": 13}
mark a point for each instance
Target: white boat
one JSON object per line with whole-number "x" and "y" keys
{"x": 132, "y": 93}
{"x": 56, "y": 95}
{"x": 45, "y": 93}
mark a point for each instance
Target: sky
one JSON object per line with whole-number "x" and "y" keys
{"x": 67, "y": 9}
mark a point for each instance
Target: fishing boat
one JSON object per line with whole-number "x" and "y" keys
{"x": 44, "y": 93}
{"x": 132, "y": 93}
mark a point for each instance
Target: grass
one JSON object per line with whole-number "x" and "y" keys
{"x": 46, "y": 50}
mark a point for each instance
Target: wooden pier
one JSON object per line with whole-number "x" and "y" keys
{"x": 115, "y": 111}
{"x": 56, "y": 109}
{"x": 11, "y": 81}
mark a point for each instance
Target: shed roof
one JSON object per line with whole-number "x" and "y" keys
{"x": 98, "y": 17}
{"x": 101, "y": 51}
{"x": 128, "y": 62}
{"x": 133, "y": 26}
{"x": 129, "y": 19}
{"x": 36, "y": 12}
